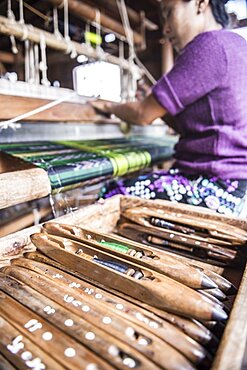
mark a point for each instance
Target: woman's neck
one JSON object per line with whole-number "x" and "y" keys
{"x": 210, "y": 23}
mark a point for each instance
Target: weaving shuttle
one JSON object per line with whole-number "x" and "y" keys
{"x": 151, "y": 287}
{"x": 153, "y": 349}
{"x": 135, "y": 311}
{"x": 149, "y": 258}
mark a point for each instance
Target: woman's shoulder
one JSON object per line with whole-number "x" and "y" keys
{"x": 215, "y": 43}
{"x": 224, "y": 37}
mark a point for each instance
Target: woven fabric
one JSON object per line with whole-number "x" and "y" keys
{"x": 70, "y": 162}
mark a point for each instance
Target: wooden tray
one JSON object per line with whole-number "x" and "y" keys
{"x": 103, "y": 217}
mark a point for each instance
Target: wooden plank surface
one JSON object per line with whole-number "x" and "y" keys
{"x": 232, "y": 346}
{"x": 21, "y": 181}
{"x": 13, "y": 106}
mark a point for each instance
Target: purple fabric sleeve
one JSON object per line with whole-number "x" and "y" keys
{"x": 194, "y": 74}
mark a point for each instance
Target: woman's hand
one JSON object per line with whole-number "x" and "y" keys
{"x": 102, "y": 107}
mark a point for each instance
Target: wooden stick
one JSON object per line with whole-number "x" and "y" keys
{"x": 65, "y": 350}
{"x": 130, "y": 307}
{"x": 174, "y": 239}
{"x": 216, "y": 293}
{"x": 74, "y": 325}
{"x": 16, "y": 29}
{"x": 150, "y": 258}
{"x": 15, "y": 171}
{"x": 164, "y": 330}
{"x": 153, "y": 347}
{"x": 4, "y": 363}
{"x": 151, "y": 287}
{"x": 20, "y": 351}
{"x": 140, "y": 215}
{"x": 191, "y": 240}
{"x": 87, "y": 12}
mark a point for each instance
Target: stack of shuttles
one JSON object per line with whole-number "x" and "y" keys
{"x": 93, "y": 301}
{"x": 210, "y": 241}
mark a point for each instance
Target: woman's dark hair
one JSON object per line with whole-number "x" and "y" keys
{"x": 219, "y": 11}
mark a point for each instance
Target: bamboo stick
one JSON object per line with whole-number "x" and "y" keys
{"x": 88, "y": 12}
{"x": 19, "y": 31}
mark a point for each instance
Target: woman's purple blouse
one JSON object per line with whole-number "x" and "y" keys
{"x": 206, "y": 91}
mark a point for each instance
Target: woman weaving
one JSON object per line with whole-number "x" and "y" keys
{"x": 205, "y": 92}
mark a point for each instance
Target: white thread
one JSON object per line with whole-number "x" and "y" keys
{"x": 57, "y": 33}
{"x": 98, "y": 30}
{"x": 31, "y": 64}
{"x": 27, "y": 45}
{"x": 129, "y": 35}
{"x": 10, "y": 13}
{"x": 66, "y": 19}
{"x": 25, "y": 33}
{"x": 36, "y": 64}
{"x": 43, "y": 63}
{"x": 11, "y": 17}
{"x": 21, "y": 20}
{"x": 36, "y": 216}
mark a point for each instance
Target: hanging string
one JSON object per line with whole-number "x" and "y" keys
{"x": 36, "y": 65}
{"x": 129, "y": 36}
{"x": 121, "y": 57}
{"x": 57, "y": 33}
{"x": 43, "y": 64}
{"x": 71, "y": 49}
{"x": 66, "y": 20}
{"x": 21, "y": 12}
{"x": 13, "y": 45}
{"x": 27, "y": 69}
{"x": 87, "y": 41}
{"x": 10, "y": 13}
{"x": 31, "y": 63}
{"x": 99, "y": 50}
{"x": 11, "y": 17}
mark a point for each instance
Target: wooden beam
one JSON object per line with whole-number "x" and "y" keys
{"x": 33, "y": 34}
{"x": 13, "y": 106}
{"x": 2, "y": 69}
{"x": 23, "y": 221}
{"x": 134, "y": 17}
{"x": 6, "y": 57}
{"x": 81, "y": 10}
{"x": 21, "y": 181}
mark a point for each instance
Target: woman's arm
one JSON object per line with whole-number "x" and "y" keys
{"x": 140, "y": 112}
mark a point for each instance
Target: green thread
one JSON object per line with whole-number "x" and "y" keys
{"x": 115, "y": 246}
